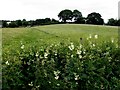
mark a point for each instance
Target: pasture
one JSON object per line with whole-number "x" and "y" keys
{"x": 56, "y": 33}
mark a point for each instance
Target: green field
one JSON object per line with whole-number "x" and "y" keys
{"x": 40, "y": 35}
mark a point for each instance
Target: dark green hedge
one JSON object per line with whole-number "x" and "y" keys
{"x": 63, "y": 67}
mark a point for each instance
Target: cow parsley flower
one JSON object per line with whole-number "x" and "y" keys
{"x": 76, "y": 76}
{"x": 93, "y": 45}
{"x": 79, "y": 52}
{"x": 37, "y": 54}
{"x": 30, "y": 84}
{"x": 22, "y": 47}
{"x": 7, "y": 63}
{"x": 112, "y": 40}
{"x": 71, "y": 56}
{"x": 80, "y": 46}
{"x": 96, "y": 36}
{"x": 56, "y": 77}
{"x": 71, "y": 47}
{"x": 80, "y": 56}
{"x": 45, "y": 55}
{"x": 58, "y": 84}
{"x": 90, "y": 36}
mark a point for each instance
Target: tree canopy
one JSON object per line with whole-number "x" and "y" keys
{"x": 94, "y": 18}
{"x": 65, "y": 15}
{"x": 78, "y": 18}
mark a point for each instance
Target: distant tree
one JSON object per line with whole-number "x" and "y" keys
{"x": 31, "y": 23}
{"x": 47, "y": 20}
{"x": 38, "y": 21}
{"x": 54, "y": 21}
{"x": 94, "y": 18}
{"x": 112, "y": 22}
{"x": 4, "y": 23}
{"x": 65, "y": 15}
{"x": 13, "y": 24}
{"x": 118, "y": 22}
{"x": 24, "y": 23}
{"x": 77, "y": 15}
{"x": 19, "y": 23}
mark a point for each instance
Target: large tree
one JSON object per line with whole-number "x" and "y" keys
{"x": 65, "y": 15}
{"x": 77, "y": 15}
{"x": 95, "y": 18}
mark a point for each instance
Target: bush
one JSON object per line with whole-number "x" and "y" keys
{"x": 63, "y": 67}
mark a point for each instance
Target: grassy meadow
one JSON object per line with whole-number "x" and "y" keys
{"x": 56, "y": 33}
{"x": 61, "y": 57}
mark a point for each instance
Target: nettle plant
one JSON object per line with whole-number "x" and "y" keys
{"x": 63, "y": 67}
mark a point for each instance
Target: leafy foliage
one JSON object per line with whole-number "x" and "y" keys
{"x": 65, "y": 15}
{"x": 62, "y": 66}
{"x": 95, "y": 18}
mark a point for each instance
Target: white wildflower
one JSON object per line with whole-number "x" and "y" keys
{"x": 76, "y": 76}
{"x": 71, "y": 56}
{"x": 45, "y": 55}
{"x": 56, "y": 72}
{"x": 90, "y": 36}
{"x": 37, "y": 54}
{"x": 80, "y": 56}
{"x": 30, "y": 84}
{"x": 76, "y": 82}
{"x": 49, "y": 82}
{"x": 93, "y": 45}
{"x": 55, "y": 53}
{"x": 84, "y": 52}
{"x": 7, "y": 63}
{"x": 112, "y": 40}
{"x": 38, "y": 86}
{"x": 96, "y": 36}
{"x": 79, "y": 52}
{"x": 22, "y": 47}
{"x": 71, "y": 47}
{"x": 80, "y": 46}
{"x": 56, "y": 77}
{"x": 58, "y": 84}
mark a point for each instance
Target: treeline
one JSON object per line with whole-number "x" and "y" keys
{"x": 92, "y": 18}
{"x": 25, "y": 23}
{"x": 65, "y": 16}
{"x": 113, "y": 22}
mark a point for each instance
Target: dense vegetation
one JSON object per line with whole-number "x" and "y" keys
{"x": 61, "y": 57}
{"x": 67, "y": 16}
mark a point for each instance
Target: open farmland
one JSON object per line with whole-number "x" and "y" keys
{"x": 56, "y": 33}
{"x": 61, "y": 57}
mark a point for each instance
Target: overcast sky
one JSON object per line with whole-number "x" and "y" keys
{"x": 36, "y": 9}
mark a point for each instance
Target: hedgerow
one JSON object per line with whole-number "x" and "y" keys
{"x": 63, "y": 66}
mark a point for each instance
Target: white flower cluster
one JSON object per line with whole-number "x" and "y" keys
{"x": 56, "y": 74}
{"x": 45, "y": 55}
{"x": 7, "y": 63}
{"x": 71, "y": 47}
{"x": 96, "y": 36}
{"x": 37, "y": 54}
{"x": 30, "y": 84}
{"x": 76, "y": 76}
{"x": 90, "y": 36}
{"x": 22, "y": 47}
{"x": 112, "y": 40}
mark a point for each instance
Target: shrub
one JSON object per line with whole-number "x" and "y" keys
{"x": 63, "y": 67}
